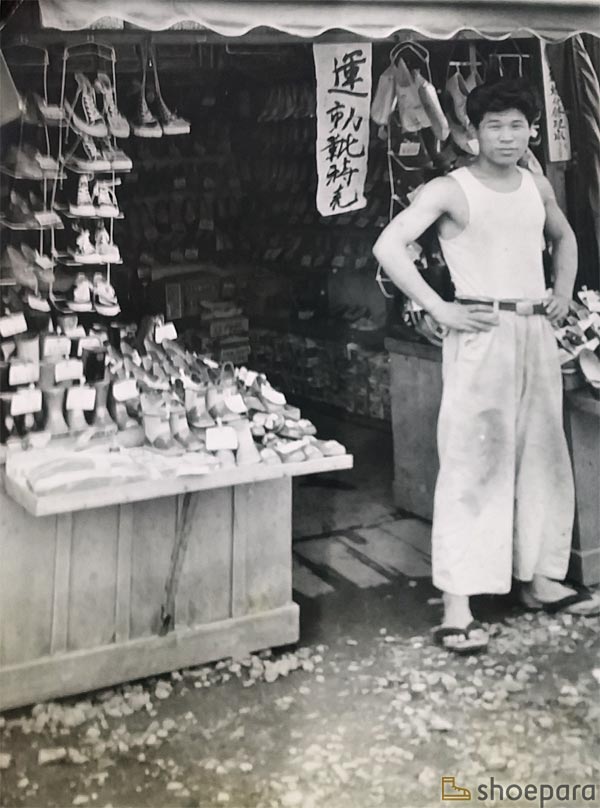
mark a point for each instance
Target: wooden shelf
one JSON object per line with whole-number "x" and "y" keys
{"x": 83, "y": 500}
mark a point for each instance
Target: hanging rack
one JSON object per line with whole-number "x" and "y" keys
{"x": 99, "y": 51}
{"x": 417, "y": 50}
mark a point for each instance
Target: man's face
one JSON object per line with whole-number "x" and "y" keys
{"x": 504, "y": 136}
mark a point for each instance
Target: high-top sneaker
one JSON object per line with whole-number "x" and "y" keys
{"x": 119, "y": 161}
{"x": 170, "y": 123}
{"x": 144, "y": 124}
{"x": 86, "y": 157}
{"x": 92, "y": 123}
{"x": 84, "y": 205}
{"x": 107, "y": 251}
{"x": 83, "y": 252}
{"x": 106, "y": 202}
{"x": 117, "y": 124}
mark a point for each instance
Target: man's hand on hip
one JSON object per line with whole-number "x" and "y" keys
{"x": 460, "y": 317}
{"x": 557, "y": 308}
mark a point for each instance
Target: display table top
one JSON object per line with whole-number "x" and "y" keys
{"x": 98, "y": 497}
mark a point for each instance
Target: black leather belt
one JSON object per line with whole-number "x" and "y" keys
{"x": 522, "y": 307}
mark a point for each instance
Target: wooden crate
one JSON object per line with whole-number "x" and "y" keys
{"x": 83, "y": 589}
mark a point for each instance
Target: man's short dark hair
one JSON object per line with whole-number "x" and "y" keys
{"x": 501, "y": 95}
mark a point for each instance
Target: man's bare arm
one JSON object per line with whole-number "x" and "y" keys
{"x": 564, "y": 253}
{"x": 391, "y": 250}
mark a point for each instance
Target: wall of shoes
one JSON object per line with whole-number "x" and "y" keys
{"x": 115, "y": 206}
{"x": 78, "y": 210}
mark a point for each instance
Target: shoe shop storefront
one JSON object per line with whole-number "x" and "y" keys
{"x": 190, "y": 195}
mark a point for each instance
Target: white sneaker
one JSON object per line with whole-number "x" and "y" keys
{"x": 105, "y": 298}
{"x": 106, "y": 201}
{"x": 84, "y": 206}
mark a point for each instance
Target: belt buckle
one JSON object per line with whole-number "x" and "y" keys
{"x": 524, "y": 307}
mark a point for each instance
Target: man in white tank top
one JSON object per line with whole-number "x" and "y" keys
{"x": 504, "y": 500}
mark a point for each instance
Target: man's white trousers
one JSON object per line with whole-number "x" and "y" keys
{"x": 504, "y": 499}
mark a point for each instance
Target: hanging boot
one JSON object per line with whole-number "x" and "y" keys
{"x": 144, "y": 124}
{"x": 85, "y": 117}
{"x": 117, "y": 124}
{"x": 170, "y": 123}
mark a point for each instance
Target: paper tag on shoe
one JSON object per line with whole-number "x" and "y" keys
{"x": 69, "y": 370}
{"x": 54, "y": 345}
{"x": 12, "y": 324}
{"x": 125, "y": 390}
{"x": 23, "y": 372}
{"x": 87, "y": 343}
{"x": 250, "y": 377}
{"x": 221, "y": 437}
{"x": 234, "y": 402}
{"x": 45, "y": 218}
{"x": 24, "y": 402}
{"x": 272, "y": 396}
{"x": 409, "y": 148}
{"x": 81, "y": 398}
{"x": 166, "y": 331}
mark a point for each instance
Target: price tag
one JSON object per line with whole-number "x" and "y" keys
{"x": 221, "y": 437}
{"x": 26, "y": 401}
{"x": 306, "y": 261}
{"x": 250, "y": 378}
{"x": 23, "y": 372}
{"x": 54, "y": 345}
{"x": 339, "y": 261}
{"x": 179, "y": 183}
{"x": 409, "y": 148}
{"x": 68, "y": 370}
{"x": 87, "y": 343}
{"x": 234, "y": 402}
{"x": 75, "y": 333}
{"x": 166, "y": 331}
{"x": 362, "y": 221}
{"x": 124, "y": 390}
{"x": 45, "y": 218}
{"x": 12, "y": 324}
{"x": 81, "y": 398}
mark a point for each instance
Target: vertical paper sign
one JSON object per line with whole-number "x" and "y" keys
{"x": 557, "y": 123}
{"x": 343, "y": 101}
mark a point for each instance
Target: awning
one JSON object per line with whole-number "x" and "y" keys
{"x": 552, "y": 20}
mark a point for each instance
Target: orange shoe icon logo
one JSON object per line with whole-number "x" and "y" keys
{"x": 450, "y": 791}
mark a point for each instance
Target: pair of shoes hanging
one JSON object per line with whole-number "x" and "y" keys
{"x": 86, "y": 296}
{"x": 100, "y": 202}
{"x": 84, "y": 114}
{"x": 103, "y": 251}
{"x": 153, "y": 118}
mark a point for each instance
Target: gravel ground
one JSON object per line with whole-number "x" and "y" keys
{"x": 369, "y": 714}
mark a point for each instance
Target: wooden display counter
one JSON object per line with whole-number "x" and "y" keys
{"x": 176, "y": 573}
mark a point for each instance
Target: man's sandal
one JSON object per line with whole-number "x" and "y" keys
{"x": 581, "y": 602}
{"x": 469, "y": 640}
